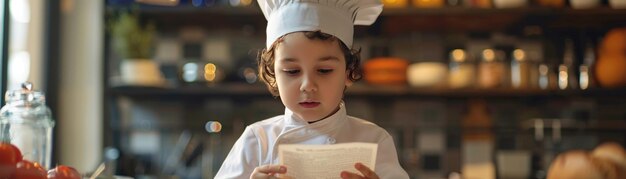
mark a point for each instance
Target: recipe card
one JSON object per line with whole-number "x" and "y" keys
{"x": 325, "y": 161}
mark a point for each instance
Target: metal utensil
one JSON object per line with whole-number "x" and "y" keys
{"x": 98, "y": 171}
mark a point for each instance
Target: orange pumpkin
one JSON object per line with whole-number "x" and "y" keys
{"x": 610, "y": 69}
{"x": 386, "y": 71}
{"x": 614, "y": 41}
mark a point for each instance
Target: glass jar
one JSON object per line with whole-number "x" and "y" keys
{"x": 491, "y": 70}
{"x": 585, "y": 76}
{"x": 524, "y": 71}
{"x": 566, "y": 72}
{"x": 26, "y": 122}
{"x": 462, "y": 72}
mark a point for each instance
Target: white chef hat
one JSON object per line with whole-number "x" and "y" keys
{"x": 335, "y": 17}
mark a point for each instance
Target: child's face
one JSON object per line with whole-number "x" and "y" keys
{"x": 311, "y": 75}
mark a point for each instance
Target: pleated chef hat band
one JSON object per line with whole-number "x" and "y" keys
{"x": 335, "y": 17}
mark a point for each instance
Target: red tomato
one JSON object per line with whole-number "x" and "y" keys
{"x": 9, "y": 156}
{"x": 29, "y": 170}
{"x": 63, "y": 172}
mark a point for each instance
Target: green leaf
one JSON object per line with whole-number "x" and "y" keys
{"x": 130, "y": 39}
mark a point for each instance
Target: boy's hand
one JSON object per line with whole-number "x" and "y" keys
{"x": 268, "y": 171}
{"x": 367, "y": 173}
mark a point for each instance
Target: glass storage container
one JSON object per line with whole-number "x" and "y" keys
{"x": 461, "y": 71}
{"x": 26, "y": 122}
{"x": 491, "y": 69}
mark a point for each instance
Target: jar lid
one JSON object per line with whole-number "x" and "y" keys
{"x": 26, "y": 94}
{"x": 519, "y": 55}
{"x": 488, "y": 55}
{"x": 492, "y": 55}
{"x": 458, "y": 55}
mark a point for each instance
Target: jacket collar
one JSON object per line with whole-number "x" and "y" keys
{"x": 331, "y": 122}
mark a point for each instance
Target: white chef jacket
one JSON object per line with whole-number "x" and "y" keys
{"x": 258, "y": 145}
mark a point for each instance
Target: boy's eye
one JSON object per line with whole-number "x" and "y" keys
{"x": 324, "y": 71}
{"x": 291, "y": 72}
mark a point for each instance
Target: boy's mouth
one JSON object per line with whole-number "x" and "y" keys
{"x": 309, "y": 104}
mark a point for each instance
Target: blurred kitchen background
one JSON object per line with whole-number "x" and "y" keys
{"x": 163, "y": 88}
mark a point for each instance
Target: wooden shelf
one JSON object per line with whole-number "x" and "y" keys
{"x": 253, "y": 9}
{"x": 191, "y": 10}
{"x": 241, "y": 89}
{"x": 572, "y": 125}
{"x": 402, "y": 20}
{"x": 370, "y": 90}
{"x": 487, "y": 20}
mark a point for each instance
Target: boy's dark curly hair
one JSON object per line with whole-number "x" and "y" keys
{"x": 266, "y": 60}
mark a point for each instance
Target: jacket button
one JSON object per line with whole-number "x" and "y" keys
{"x": 331, "y": 140}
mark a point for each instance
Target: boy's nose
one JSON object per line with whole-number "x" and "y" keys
{"x": 308, "y": 84}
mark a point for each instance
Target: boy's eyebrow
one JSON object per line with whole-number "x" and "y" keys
{"x": 329, "y": 58}
{"x": 288, "y": 60}
{"x": 325, "y": 58}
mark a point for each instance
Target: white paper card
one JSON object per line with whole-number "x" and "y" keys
{"x": 325, "y": 161}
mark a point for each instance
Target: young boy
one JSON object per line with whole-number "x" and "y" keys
{"x": 308, "y": 64}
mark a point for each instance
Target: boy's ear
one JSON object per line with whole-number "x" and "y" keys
{"x": 348, "y": 82}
